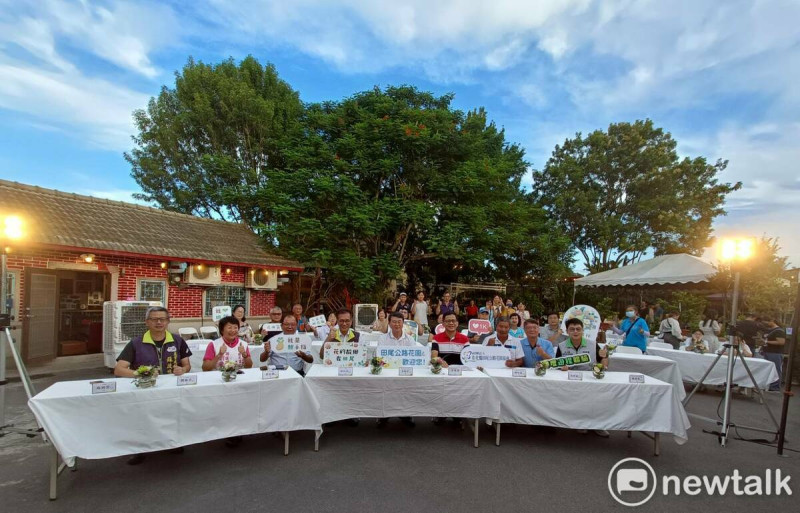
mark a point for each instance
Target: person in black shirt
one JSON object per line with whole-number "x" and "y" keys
{"x": 775, "y": 342}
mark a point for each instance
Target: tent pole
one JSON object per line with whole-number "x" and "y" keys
{"x": 573, "y": 293}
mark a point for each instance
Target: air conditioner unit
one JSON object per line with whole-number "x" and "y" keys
{"x": 364, "y": 315}
{"x": 261, "y": 279}
{"x": 202, "y": 274}
{"x": 122, "y": 321}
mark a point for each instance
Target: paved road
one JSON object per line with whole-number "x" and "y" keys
{"x": 426, "y": 468}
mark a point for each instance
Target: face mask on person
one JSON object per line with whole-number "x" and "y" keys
{"x": 630, "y": 314}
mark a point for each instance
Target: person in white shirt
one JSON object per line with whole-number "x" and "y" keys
{"x": 396, "y": 336}
{"x": 294, "y": 360}
{"x": 696, "y": 341}
{"x": 516, "y": 356}
{"x": 711, "y": 330}
{"x": 670, "y": 330}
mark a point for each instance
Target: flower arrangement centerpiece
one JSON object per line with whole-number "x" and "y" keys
{"x": 611, "y": 348}
{"x": 539, "y": 369}
{"x": 700, "y": 348}
{"x": 436, "y": 365}
{"x": 145, "y": 376}
{"x": 229, "y": 370}
{"x": 376, "y": 365}
{"x": 258, "y": 339}
{"x": 599, "y": 371}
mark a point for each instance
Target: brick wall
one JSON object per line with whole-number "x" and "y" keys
{"x": 183, "y": 302}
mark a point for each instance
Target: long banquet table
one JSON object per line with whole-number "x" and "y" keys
{"x": 611, "y": 403}
{"x": 472, "y": 395}
{"x": 694, "y": 365}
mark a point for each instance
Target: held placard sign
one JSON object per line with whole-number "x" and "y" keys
{"x": 480, "y": 326}
{"x": 218, "y": 312}
{"x": 187, "y": 379}
{"x": 404, "y": 356}
{"x": 290, "y": 343}
{"x": 317, "y": 321}
{"x": 104, "y": 387}
{"x": 566, "y": 361}
{"x": 337, "y": 354}
{"x": 271, "y": 326}
{"x": 488, "y": 357}
{"x": 439, "y": 329}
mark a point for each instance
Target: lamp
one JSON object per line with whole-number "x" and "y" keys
{"x": 87, "y": 257}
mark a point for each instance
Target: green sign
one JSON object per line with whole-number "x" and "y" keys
{"x": 569, "y": 361}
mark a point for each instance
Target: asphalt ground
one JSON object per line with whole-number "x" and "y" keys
{"x": 425, "y": 468}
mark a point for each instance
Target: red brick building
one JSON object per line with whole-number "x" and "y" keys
{"x": 79, "y": 252}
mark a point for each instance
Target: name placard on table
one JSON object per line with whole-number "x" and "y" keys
{"x": 575, "y": 376}
{"x": 636, "y": 378}
{"x": 186, "y": 379}
{"x": 345, "y": 371}
{"x": 269, "y": 374}
{"x": 104, "y": 387}
{"x": 454, "y": 370}
{"x": 519, "y": 372}
{"x": 406, "y": 371}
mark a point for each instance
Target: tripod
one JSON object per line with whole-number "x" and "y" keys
{"x": 733, "y": 353}
{"x": 24, "y": 378}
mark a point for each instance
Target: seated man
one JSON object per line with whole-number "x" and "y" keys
{"x": 156, "y": 347}
{"x": 501, "y": 338}
{"x": 475, "y": 338}
{"x": 282, "y": 360}
{"x": 535, "y": 348}
{"x": 577, "y": 344}
{"x": 302, "y": 321}
{"x": 274, "y": 318}
{"x": 396, "y": 336}
{"x": 228, "y": 347}
{"x": 343, "y": 333}
{"x": 448, "y": 344}
{"x": 552, "y": 330}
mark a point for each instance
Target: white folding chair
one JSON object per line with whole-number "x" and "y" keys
{"x": 629, "y": 350}
{"x": 209, "y": 332}
{"x": 188, "y": 333}
{"x": 660, "y": 345}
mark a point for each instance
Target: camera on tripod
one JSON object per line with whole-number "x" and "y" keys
{"x": 748, "y": 330}
{"x": 5, "y": 321}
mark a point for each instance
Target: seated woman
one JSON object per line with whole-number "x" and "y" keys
{"x": 245, "y": 331}
{"x": 516, "y": 330}
{"x": 381, "y": 323}
{"x": 695, "y": 341}
{"x": 229, "y": 347}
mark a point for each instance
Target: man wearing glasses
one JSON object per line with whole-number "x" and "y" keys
{"x": 275, "y": 316}
{"x": 156, "y": 347}
{"x": 449, "y": 343}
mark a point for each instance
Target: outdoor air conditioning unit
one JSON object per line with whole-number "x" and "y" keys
{"x": 261, "y": 279}
{"x": 364, "y": 315}
{"x": 122, "y": 321}
{"x": 202, "y": 274}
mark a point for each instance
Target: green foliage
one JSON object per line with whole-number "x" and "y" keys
{"x": 366, "y": 187}
{"x": 691, "y": 307}
{"x": 621, "y": 192}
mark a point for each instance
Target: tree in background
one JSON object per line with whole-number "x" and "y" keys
{"x": 622, "y": 192}
{"x": 366, "y": 187}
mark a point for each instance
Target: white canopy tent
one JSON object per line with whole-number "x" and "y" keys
{"x": 661, "y": 270}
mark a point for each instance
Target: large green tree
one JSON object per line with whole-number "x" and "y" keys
{"x": 621, "y": 192}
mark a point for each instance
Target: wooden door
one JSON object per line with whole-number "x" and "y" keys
{"x": 40, "y": 315}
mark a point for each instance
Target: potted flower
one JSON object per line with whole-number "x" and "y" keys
{"x": 436, "y": 365}
{"x": 376, "y": 365}
{"x": 540, "y": 370}
{"x": 611, "y": 348}
{"x": 229, "y": 370}
{"x": 146, "y": 376}
{"x": 700, "y": 348}
{"x": 258, "y": 339}
{"x": 599, "y": 371}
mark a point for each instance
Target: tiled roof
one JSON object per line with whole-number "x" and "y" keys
{"x": 65, "y": 219}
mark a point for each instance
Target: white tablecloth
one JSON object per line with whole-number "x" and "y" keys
{"x": 694, "y": 365}
{"x": 657, "y": 367}
{"x": 471, "y": 395}
{"x": 610, "y": 403}
{"x": 133, "y": 420}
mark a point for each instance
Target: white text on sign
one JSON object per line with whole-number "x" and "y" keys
{"x": 187, "y": 379}
{"x": 104, "y": 387}
{"x": 406, "y": 371}
{"x": 345, "y": 371}
{"x": 575, "y": 376}
{"x": 636, "y": 378}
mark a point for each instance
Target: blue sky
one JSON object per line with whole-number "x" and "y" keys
{"x": 721, "y": 76}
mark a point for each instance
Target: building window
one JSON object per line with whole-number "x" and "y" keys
{"x": 230, "y": 295}
{"x": 152, "y": 290}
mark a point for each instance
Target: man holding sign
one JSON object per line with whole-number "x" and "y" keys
{"x": 281, "y": 359}
{"x": 501, "y": 338}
